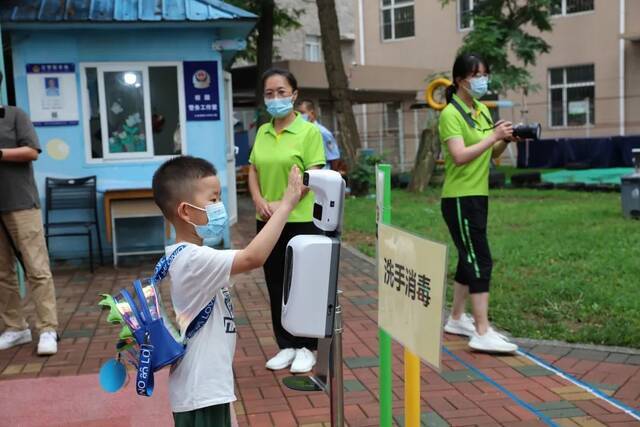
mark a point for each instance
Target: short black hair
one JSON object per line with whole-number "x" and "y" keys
{"x": 174, "y": 181}
{"x": 291, "y": 79}
{"x": 308, "y": 104}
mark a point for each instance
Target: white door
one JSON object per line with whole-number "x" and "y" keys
{"x": 232, "y": 205}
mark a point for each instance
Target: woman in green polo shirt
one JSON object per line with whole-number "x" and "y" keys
{"x": 470, "y": 139}
{"x": 285, "y": 141}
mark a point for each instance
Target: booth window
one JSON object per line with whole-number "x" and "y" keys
{"x": 465, "y": 14}
{"x": 132, "y": 111}
{"x": 567, "y": 7}
{"x": 572, "y": 96}
{"x": 398, "y": 20}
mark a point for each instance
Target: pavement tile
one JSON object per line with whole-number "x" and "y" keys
{"x": 578, "y": 396}
{"x": 459, "y": 376}
{"x": 605, "y": 387}
{"x": 533, "y": 371}
{"x": 564, "y": 413}
{"x": 32, "y": 368}
{"x": 353, "y": 385}
{"x": 363, "y": 300}
{"x": 566, "y": 422}
{"x": 12, "y": 369}
{"x": 617, "y": 358}
{"x": 456, "y": 344}
{"x": 551, "y": 350}
{"x": 452, "y": 396}
{"x": 369, "y": 287}
{"x": 361, "y": 362}
{"x": 427, "y": 419}
{"x": 587, "y": 422}
{"x": 582, "y": 354}
{"x": 567, "y": 389}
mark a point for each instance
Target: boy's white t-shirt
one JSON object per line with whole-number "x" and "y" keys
{"x": 203, "y": 376}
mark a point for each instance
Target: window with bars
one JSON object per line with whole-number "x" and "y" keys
{"x": 398, "y": 19}
{"x": 572, "y": 96}
{"x": 567, "y": 7}
{"x": 465, "y": 14}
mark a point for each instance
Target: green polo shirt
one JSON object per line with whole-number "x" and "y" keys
{"x": 471, "y": 179}
{"x": 273, "y": 155}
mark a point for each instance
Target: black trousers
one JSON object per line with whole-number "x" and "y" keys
{"x": 274, "y": 276}
{"x": 466, "y": 218}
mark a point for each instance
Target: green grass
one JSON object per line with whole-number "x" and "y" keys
{"x": 566, "y": 264}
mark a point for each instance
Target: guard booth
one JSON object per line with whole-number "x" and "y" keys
{"x": 116, "y": 87}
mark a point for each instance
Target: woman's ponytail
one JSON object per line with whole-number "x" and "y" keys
{"x": 451, "y": 89}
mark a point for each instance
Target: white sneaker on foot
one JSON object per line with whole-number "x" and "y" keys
{"x": 304, "y": 361}
{"x": 462, "y": 326}
{"x": 282, "y": 359}
{"x": 492, "y": 342}
{"x": 48, "y": 343}
{"x": 10, "y": 339}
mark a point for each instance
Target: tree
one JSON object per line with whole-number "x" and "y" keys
{"x": 499, "y": 29}
{"x": 272, "y": 21}
{"x": 337, "y": 77}
{"x": 428, "y": 152}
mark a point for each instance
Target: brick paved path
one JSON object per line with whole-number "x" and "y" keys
{"x": 460, "y": 395}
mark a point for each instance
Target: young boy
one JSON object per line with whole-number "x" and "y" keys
{"x": 187, "y": 191}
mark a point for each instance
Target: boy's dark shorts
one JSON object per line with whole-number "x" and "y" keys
{"x": 216, "y": 415}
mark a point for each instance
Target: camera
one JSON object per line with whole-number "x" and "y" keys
{"x": 527, "y": 131}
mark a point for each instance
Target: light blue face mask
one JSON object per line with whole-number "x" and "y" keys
{"x": 478, "y": 86}
{"x": 216, "y": 221}
{"x": 279, "y": 107}
{"x": 305, "y": 117}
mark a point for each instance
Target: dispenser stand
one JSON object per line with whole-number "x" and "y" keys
{"x": 329, "y": 350}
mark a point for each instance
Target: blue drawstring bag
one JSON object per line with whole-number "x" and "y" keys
{"x": 158, "y": 341}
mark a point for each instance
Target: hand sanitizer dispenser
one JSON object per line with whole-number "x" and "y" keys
{"x": 312, "y": 261}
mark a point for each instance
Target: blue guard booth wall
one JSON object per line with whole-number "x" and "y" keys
{"x": 118, "y": 43}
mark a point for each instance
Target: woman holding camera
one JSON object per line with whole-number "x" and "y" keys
{"x": 470, "y": 140}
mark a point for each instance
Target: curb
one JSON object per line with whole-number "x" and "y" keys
{"x": 527, "y": 342}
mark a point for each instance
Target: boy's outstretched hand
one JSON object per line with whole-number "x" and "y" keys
{"x": 294, "y": 189}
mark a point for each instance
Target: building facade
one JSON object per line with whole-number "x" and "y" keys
{"x": 589, "y": 84}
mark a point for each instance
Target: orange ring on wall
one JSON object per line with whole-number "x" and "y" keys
{"x": 431, "y": 88}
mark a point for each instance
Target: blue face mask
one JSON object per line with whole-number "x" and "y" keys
{"x": 478, "y": 86}
{"x": 216, "y": 221}
{"x": 305, "y": 117}
{"x": 279, "y": 107}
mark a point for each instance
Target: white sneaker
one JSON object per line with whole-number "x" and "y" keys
{"x": 462, "y": 326}
{"x": 492, "y": 342}
{"x": 282, "y": 359}
{"x": 48, "y": 343}
{"x": 10, "y": 339}
{"x": 303, "y": 362}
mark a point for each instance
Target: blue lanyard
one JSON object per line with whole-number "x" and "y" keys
{"x": 144, "y": 377}
{"x": 160, "y": 272}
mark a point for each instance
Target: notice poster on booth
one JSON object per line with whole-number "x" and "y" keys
{"x": 53, "y": 94}
{"x": 201, "y": 90}
{"x": 411, "y": 284}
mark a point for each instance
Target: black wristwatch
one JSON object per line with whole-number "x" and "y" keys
{"x": 1, "y": 154}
